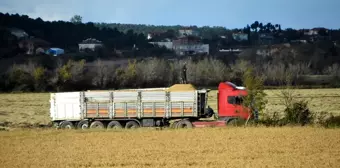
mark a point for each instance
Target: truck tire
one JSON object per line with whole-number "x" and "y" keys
{"x": 131, "y": 125}
{"x": 97, "y": 125}
{"x": 83, "y": 124}
{"x": 184, "y": 124}
{"x": 174, "y": 124}
{"x": 234, "y": 122}
{"x": 114, "y": 125}
{"x": 66, "y": 125}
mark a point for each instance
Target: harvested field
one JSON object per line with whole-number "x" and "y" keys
{"x": 30, "y": 108}
{"x": 210, "y": 147}
{"x": 204, "y": 147}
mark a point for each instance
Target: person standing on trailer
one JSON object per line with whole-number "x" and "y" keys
{"x": 184, "y": 74}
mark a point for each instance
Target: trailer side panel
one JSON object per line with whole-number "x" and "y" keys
{"x": 153, "y": 104}
{"x": 66, "y": 106}
{"x": 97, "y": 104}
{"x": 183, "y": 104}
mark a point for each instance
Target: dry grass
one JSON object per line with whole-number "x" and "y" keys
{"x": 25, "y": 108}
{"x": 34, "y": 107}
{"x": 210, "y": 147}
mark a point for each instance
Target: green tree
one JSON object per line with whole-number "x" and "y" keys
{"x": 39, "y": 75}
{"x": 255, "y": 100}
{"x": 76, "y": 19}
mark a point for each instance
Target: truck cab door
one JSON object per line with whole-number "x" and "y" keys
{"x": 236, "y": 106}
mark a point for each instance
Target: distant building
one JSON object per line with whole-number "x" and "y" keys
{"x": 90, "y": 44}
{"x": 18, "y": 33}
{"x": 151, "y": 35}
{"x": 266, "y": 38}
{"x": 185, "y": 45}
{"x": 187, "y": 31}
{"x": 240, "y": 36}
{"x": 190, "y": 45}
{"x": 315, "y": 31}
{"x": 191, "y": 49}
{"x": 168, "y": 45}
{"x": 316, "y": 34}
{"x": 188, "y": 42}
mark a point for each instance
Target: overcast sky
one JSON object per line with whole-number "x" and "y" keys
{"x": 228, "y": 13}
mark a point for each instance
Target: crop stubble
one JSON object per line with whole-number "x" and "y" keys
{"x": 204, "y": 147}
{"x": 211, "y": 147}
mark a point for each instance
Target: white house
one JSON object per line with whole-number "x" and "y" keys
{"x": 240, "y": 36}
{"x": 18, "y": 32}
{"x": 91, "y": 44}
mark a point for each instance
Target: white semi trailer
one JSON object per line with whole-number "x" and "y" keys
{"x": 129, "y": 108}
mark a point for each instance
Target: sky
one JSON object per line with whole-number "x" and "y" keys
{"x": 227, "y": 13}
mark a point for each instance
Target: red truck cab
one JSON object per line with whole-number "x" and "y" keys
{"x": 229, "y": 106}
{"x": 230, "y": 101}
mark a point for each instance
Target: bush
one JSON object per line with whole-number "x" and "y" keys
{"x": 20, "y": 77}
{"x": 270, "y": 119}
{"x": 298, "y": 113}
{"x": 332, "y": 121}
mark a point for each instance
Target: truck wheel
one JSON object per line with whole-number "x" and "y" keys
{"x": 97, "y": 125}
{"x": 184, "y": 124}
{"x": 131, "y": 124}
{"x": 114, "y": 125}
{"x": 83, "y": 124}
{"x": 66, "y": 125}
{"x": 174, "y": 124}
{"x": 234, "y": 122}
{"x": 230, "y": 121}
{"x": 56, "y": 125}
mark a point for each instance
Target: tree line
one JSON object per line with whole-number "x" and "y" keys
{"x": 100, "y": 74}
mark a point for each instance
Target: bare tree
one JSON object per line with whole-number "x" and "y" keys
{"x": 211, "y": 71}
{"x": 333, "y": 70}
{"x": 238, "y": 69}
{"x": 103, "y": 74}
{"x": 294, "y": 71}
{"x": 154, "y": 72}
{"x": 275, "y": 74}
